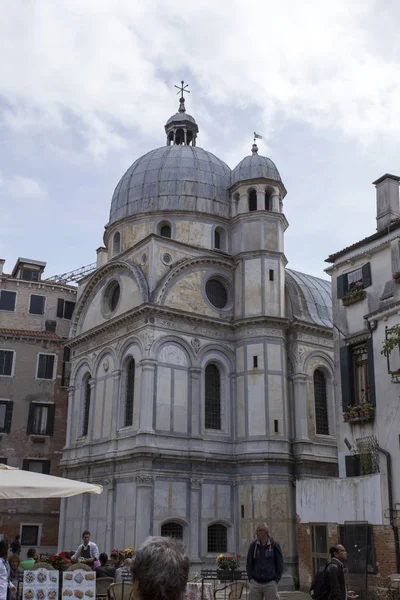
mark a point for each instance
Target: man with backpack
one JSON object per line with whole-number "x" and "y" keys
{"x": 264, "y": 565}
{"x": 330, "y": 584}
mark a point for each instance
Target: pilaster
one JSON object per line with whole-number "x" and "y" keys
{"x": 144, "y": 502}
{"x": 300, "y": 406}
{"x": 147, "y": 395}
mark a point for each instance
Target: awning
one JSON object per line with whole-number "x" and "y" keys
{"x": 15, "y": 483}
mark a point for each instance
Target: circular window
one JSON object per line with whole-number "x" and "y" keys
{"x": 111, "y": 296}
{"x": 216, "y": 293}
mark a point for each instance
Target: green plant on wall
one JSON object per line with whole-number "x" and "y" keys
{"x": 392, "y": 340}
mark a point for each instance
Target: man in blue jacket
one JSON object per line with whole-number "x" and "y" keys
{"x": 264, "y": 565}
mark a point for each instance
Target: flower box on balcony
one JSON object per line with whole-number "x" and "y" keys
{"x": 358, "y": 414}
{"x": 396, "y": 277}
{"x": 353, "y": 297}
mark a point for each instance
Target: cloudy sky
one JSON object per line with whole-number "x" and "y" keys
{"x": 86, "y": 88}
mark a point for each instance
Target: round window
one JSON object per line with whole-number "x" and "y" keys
{"x": 216, "y": 293}
{"x": 111, "y": 296}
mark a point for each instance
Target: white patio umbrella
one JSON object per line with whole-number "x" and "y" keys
{"x": 15, "y": 483}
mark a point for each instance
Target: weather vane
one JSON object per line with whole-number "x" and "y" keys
{"x": 182, "y": 89}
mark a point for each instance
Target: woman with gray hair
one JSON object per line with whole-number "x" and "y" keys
{"x": 160, "y": 570}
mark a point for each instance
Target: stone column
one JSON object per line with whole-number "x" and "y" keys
{"x": 275, "y": 203}
{"x": 147, "y": 395}
{"x": 195, "y": 516}
{"x": 243, "y": 204}
{"x": 109, "y": 541}
{"x": 144, "y": 503}
{"x": 71, "y": 399}
{"x": 195, "y": 375}
{"x": 300, "y": 406}
{"x": 260, "y": 200}
{"x": 233, "y": 406}
{"x": 185, "y": 136}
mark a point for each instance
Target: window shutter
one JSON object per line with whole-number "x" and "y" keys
{"x": 366, "y": 272}
{"x": 9, "y": 411}
{"x": 340, "y": 282}
{"x": 50, "y": 419}
{"x": 31, "y": 416}
{"x": 60, "y": 308}
{"x": 347, "y": 376}
{"x": 371, "y": 371}
{"x": 46, "y": 467}
{"x": 25, "y": 464}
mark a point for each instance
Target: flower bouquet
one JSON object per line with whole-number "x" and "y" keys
{"x": 228, "y": 566}
{"x": 58, "y": 561}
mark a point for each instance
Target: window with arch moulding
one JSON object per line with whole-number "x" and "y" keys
{"x": 86, "y": 407}
{"x": 212, "y": 397}
{"x": 173, "y": 530}
{"x": 217, "y": 538}
{"x": 129, "y": 393}
{"x": 165, "y": 230}
{"x": 116, "y": 246}
{"x": 252, "y": 200}
{"x": 321, "y": 403}
{"x": 217, "y": 240}
{"x": 268, "y": 200}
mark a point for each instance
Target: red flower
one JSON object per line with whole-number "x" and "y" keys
{"x": 229, "y": 557}
{"x": 237, "y": 555}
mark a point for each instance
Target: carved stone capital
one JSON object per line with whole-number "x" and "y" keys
{"x": 195, "y": 372}
{"x": 117, "y": 373}
{"x": 148, "y": 364}
{"x": 195, "y": 484}
{"x": 299, "y": 377}
{"x": 144, "y": 480}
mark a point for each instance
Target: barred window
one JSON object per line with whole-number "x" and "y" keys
{"x": 130, "y": 390}
{"x": 321, "y": 403}
{"x": 86, "y": 407}
{"x": 217, "y": 538}
{"x": 173, "y": 530}
{"x": 216, "y": 293}
{"x": 212, "y": 397}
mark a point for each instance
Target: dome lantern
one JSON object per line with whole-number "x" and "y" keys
{"x": 181, "y": 128}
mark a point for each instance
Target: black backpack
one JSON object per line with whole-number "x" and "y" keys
{"x": 319, "y": 589}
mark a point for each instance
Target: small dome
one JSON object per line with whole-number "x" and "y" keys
{"x": 180, "y": 117}
{"x": 254, "y": 167}
{"x": 172, "y": 178}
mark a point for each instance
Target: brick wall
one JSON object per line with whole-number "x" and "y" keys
{"x": 385, "y": 555}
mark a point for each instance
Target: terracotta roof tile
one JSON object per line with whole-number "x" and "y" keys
{"x": 30, "y": 333}
{"x": 371, "y": 238}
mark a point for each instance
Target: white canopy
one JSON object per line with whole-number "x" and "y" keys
{"x": 15, "y": 483}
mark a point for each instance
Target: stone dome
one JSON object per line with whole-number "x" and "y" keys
{"x": 254, "y": 167}
{"x": 175, "y": 177}
{"x": 181, "y": 116}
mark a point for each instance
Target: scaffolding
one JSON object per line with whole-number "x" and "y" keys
{"x": 75, "y": 275}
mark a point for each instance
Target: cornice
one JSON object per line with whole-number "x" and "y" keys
{"x": 252, "y": 216}
{"x": 363, "y": 253}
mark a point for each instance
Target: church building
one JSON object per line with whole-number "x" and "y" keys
{"x": 201, "y": 367}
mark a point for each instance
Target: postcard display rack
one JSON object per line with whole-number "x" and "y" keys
{"x": 41, "y": 585}
{"x": 44, "y": 585}
{"x": 79, "y": 585}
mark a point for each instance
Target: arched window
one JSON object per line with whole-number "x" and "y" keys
{"x": 165, "y": 231}
{"x": 172, "y": 530}
{"x": 179, "y": 137}
{"x": 268, "y": 199}
{"x": 217, "y": 538}
{"x": 129, "y": 392}
{"x": 86, "y": 406}
{"x": 252, "y": 200}
{"x": 116, "y": 243}
{"x": 212, "y": 397}
{"x": 321, "y": 404}
{"x": 219, "y": 238}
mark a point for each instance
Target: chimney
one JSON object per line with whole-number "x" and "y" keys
{"x": 102, "y": 256}
{"x": 2, "y": 261}
{"x": 387, "y": 200}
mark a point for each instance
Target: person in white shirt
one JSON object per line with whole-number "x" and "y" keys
{"x": 87, "y": 552}
{"x": 5, "y": 583}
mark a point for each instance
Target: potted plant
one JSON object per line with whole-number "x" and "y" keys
{"x": 355, "y": 293}
{"x": 396, "y": 276}
{"x": 58, "y": 561}
{"x": 368, "y": 410}
{"x": 228, "y": 566}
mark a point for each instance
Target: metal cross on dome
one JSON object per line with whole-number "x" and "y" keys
{"x": 182, "y": 89}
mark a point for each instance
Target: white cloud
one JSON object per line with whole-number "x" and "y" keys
{"x": 24, "y": 189}
{"x": 107, "y": 64}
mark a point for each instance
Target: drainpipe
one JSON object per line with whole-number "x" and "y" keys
{"x": 391, "y": 510}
